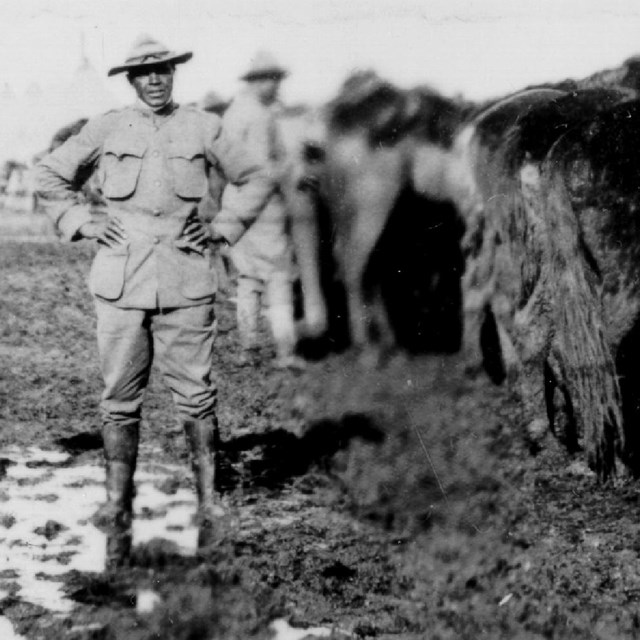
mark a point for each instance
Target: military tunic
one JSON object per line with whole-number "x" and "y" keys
{"x": 153, "y": 170}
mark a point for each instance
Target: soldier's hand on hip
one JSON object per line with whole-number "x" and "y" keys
{"x": 196, "y": 235}
{"x": 109, "y": 232}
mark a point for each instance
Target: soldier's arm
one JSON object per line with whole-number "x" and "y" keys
{"x": 250, "y": 184}
{"x": 56, "y": 173}
{"x": 259, "y": 136}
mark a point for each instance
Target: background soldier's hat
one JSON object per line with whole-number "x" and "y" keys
{"x": 264, "y": 65}
{"x": 146, "y": 51}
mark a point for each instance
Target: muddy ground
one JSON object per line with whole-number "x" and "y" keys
{"x": 400, "y": 502}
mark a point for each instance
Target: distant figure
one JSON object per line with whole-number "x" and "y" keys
{"x": 264, "y": 255}
{"x": 154, "y": 278}
{"x": 18, "y": 193}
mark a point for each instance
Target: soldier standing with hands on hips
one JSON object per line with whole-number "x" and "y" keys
{"x": 153, "y": 277}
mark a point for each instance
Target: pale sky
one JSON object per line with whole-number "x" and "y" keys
{"x": 479, "y": 48}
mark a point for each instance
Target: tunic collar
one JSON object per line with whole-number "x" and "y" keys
{"x": 162, "y": 113}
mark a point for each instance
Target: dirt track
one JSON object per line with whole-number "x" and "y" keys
{"x": 398, "y": 503}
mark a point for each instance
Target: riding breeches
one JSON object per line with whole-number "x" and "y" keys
{"x": 179, "y": 340}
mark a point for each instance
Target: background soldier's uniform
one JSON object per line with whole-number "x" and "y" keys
{"x": 264, "y": 255}
{"x": 154, "y": 296}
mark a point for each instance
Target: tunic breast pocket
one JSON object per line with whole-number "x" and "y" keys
{"x": 188, "y": 170}
{"x": 120, "y": 166}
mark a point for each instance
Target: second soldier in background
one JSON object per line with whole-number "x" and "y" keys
{"x": 264, "y": 255}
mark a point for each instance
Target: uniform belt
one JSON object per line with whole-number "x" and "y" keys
{"x": 143, "y": 222}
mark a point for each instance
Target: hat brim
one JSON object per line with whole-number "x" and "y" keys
{"x": 176, "y": 58}
{"x": 267, "y": 73}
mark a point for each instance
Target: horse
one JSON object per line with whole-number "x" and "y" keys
{"x": 389, "y": 182}
{"x": 532, "y": 284}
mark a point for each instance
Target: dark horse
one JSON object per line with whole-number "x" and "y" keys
{"x": 551, "y": 265}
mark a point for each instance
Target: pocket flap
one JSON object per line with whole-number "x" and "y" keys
{"x": 121, "y": 146}
{"x": 187, "y": 149}
{"x": 187, "y": 163}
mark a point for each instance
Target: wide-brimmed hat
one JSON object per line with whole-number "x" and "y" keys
{"x": 264, "y": 65}
{"x": 146, "y": 51}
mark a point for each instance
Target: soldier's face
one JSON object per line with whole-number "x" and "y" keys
{"x": 267, "y": 89}
{"x": 153, "y": 83}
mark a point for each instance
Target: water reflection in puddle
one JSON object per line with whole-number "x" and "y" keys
{"x": 6, "y": 630}
{"x": 283, "y": 631}
{"x": 45, "y": 527}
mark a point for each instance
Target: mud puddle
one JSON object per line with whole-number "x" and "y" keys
{"x": 47, "y": 501}
{"x": 46, "y": 505}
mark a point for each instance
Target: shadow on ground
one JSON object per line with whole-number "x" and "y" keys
{"x": 273, "y": 458}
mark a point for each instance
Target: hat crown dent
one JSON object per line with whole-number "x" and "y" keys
{"x": 146, "y": 46}
{"x": 263, "y": 62}
{"x": 143, "y": 39}
{"x": 263, "y": 58}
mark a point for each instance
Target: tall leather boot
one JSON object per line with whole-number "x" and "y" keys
{"x": 202, "y": 439}
{"x": 120, "y": 453}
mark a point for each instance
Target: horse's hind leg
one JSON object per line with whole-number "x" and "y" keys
{"x": 384, "y": 333}
{"x": 374, "y": 194}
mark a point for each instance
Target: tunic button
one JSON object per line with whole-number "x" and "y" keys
{"x": 156, "y": 240}
{"x": 156, "y": 154}
{"x": 157, "y": 212}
